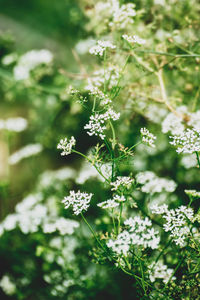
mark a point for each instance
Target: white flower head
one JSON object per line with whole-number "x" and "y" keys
{"x": 187, "y": 142}
{"x": 79, "y": 201}
{"x": 147, "y": 137}
{"x": 177, "y": 222}
{"x": 122, "y": 182}
{"x": 153, "y": 184}
{"x": 101, "y": 47}
{"x": 160, "y": 271}
{"x": 133, "y": 39}
{"x": 66, "y": 145}
{"x": 97, "y": 123}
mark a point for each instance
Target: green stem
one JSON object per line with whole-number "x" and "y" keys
{"x": 88, "y": 159}
{"x": 198, "y": 160}
{"x": 94, "y": 234}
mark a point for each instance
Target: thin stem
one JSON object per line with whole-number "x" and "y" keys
{"x": 122, "y": 156}
{"x": 198, "y": 159}
{"x": 88, "y": 159}
{"x": 120, "y": 217}
{"x": 94, "y": 234}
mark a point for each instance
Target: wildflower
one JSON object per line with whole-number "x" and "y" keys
{"x": 122, "y": 16}
{"x": 101, "y": 47}
{"x": 112, "y": 203}
{"x": 173, "y": 123}
{"x": 14, "y": 124}
{"x": 192, "y": 193}
{"x": 79, "y": 201}
{"x": 66, "y": 145}
{"x": 139, "y": 232}
{"x": 7, "y": 285}
{"x": 147, "y": 137}
{"x": 187, "y": 142}
{"x": 122, "y": 244}
{"x": 27, "y": 151}
{"x": 133, "y": 39}
{"x": 153, "y": 184}
{"x": 30, "y": 61}
{"x": 176, "y": 222}
{"x": 160, "y": 271}
{"x": 122, "y": 181}
{"x": 96, "y": 125}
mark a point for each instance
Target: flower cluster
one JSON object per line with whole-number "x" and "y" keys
{"x": 14, "y": 124}
{"x": 31, "y": 60}
{"x": 142, "y": 232}
{"x": 122, "y": 16}
{"x": 112, "y": 203}
{"x": 97, "y": 126}
{"x": 79, "y": 201}
{"x": 95, "y": 91}
{"x": 110, "y": 75}
{"x": 133, "y": 39}
{"x": 153, "y": 184}
{"x": 27, "y": 151}
{"x": 147, "y": 137}
{"x": 66, "y": 145}
{"x": 160, "y": 271}
{"x": 101, "y": 47}
{"x": 177, "y": 221}
{"x": 193, "y": 193}
{"x": 188, "y": 141}
{"x": 7, "y": 285}
{"x": 121, "y": 182}
{"x": 139, "y": 232}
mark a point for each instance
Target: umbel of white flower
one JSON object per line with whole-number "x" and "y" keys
{"x": 133, "y": 39}
{"x": 188, "y": 141}
{"x": 121, "y": 182}
{"x": 153, "y": 184}
{"x": 112, "y": 203}
{"x": 177, "y": 221}
{"x": 78, "y": 201}
{"x": 66, "y": 145}
{"x": 97, "y": 122}
{"x": 147, "y": 137}
{"x": 101, "y": 47}
{"x": 139, "y": 233}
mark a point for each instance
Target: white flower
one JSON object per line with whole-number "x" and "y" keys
{"x": 122, "y": 244}
{"x": 147, "y": 137}
{"x": 133, "y": 39}
{"x": 111, "y": 203}
{"x": 121, "y": 181}
{"x": 14, "y": 124}
{"x": 177, "y": 222}
{"x": 193, "y": 193}
{"x": 160, "y": 271}
{"x": 66, "y": 226}
{"x": 101, "y": 47}
{"x": 97, "y": 126}
{"x": 173, "y": 123}
{"x": 28, "y": 150}
{"x": 122, "y": 16}
{"x": 153, "y": 184}
{"x": 7, "y": 285}
{"x": 31, "y": 60}
{"x": 139, "y": 233}
{"x": 66, "y": 145}
{"x": 187, "y": 142}
{"x": 79, "y": 201}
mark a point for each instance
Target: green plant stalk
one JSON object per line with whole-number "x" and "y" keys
{"x": 89, "y": 160}
{"x": 94, "y": 234}
{"x": 198, "y": 159}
